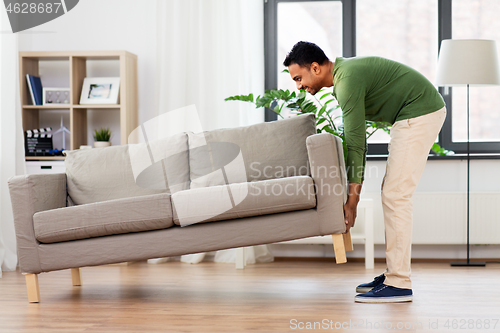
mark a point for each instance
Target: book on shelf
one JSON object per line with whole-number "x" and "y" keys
{"x": 35, "y": 88}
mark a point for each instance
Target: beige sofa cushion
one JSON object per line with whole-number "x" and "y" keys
{"x": 224, "y": 202}
{"x": 100, "y": 174}
{"x": 150, "y": 212}
{"x": 263, "y": 151}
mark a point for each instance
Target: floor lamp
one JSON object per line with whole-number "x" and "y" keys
{"x": 468, "y": 62}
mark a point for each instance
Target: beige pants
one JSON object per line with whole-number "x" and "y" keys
{"x": 411, "y": 140}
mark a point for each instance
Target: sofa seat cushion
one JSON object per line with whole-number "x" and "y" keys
{"x": 149, "y": 212}
{"x": 225, "y": 202}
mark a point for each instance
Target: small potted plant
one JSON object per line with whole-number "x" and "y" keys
{"x": 101, "y": 137}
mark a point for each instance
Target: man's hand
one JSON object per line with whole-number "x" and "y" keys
{"x": 350, "y": 208}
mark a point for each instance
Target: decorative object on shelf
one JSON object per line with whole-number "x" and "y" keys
{"x": 57, "y": 152}
{"x": 465, "y": 62}
{"x": 59, "y": 96}
{"x": 38, "y": 142}
{"x": 85, "y": 147}
{"x": 101, "y": 137}
{"x": 101, "y": 144}
{"x": 100, "y": 90}
{"x": 64, "y": 130}
{"x": 35, "y": 88}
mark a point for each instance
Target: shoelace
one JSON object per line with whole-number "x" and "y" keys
{"x": 379, "y": 288}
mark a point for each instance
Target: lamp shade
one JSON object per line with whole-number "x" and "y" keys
{"x": 468, "y": 61}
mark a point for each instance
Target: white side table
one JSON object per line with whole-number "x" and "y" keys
{"x": 361, "y": 233}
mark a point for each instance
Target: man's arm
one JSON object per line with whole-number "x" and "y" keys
{"x": 351, "y": 98}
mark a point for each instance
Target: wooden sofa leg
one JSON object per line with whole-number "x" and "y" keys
{"x": 339, "y": 248}
{"x": 32, "y": 286}
{"x": 348, "y": 241}
{"x": 76, "y": 276}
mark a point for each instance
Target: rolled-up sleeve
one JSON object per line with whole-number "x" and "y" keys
{"x": 351, "y": 98}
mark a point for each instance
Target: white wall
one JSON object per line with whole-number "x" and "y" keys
{"x": 439, "y": 176}
{"x": 104, "y": 25}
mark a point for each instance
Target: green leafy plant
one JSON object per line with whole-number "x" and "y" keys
{"x": 103, "y": 134}
{"x": 278, "y": 100}
{"x": 436, "y": 148}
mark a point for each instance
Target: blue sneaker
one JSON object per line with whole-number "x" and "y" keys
{"x": 385, "y": 294}
{"x": 366, "y": 287}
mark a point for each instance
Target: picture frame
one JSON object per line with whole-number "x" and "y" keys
{"x": 100, "y": 90}
{"x": 56, "y": 96}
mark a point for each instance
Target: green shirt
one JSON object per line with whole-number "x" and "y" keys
{"x": 377, "y": 89}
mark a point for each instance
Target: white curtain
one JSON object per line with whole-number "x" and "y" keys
{"x": 208, "y": 50}
{"x": 11, "y": 140}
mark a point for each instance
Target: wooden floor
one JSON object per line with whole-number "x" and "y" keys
{"x": 269, "y": 297}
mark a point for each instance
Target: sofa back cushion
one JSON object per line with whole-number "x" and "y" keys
{"x": 258, "y": 152}
{"x": 101, "y": 174}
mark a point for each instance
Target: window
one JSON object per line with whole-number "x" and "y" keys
{"x": 328, "y": 23}
{"x": 401, "y": 30}
{"x": 407, "y": 31}
{"x": 323, "y": 20}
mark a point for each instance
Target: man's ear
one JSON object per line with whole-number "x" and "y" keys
{"x": 315, "y": 68}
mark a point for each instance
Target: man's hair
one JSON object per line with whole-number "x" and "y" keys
{"x": 304, "y": 54}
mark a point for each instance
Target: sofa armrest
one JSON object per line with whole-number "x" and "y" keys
{"x": 30, "y": 194}
{"x": 326, "y": 162}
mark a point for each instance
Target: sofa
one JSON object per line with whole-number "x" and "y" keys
{"x": 184, "y": 194}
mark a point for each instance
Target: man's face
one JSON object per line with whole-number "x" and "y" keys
{"x": 306, "y": 78}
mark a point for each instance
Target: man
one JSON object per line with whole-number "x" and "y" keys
{"x": 378, "y": 89}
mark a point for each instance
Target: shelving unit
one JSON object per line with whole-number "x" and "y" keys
{"x": 127, "y": 100}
